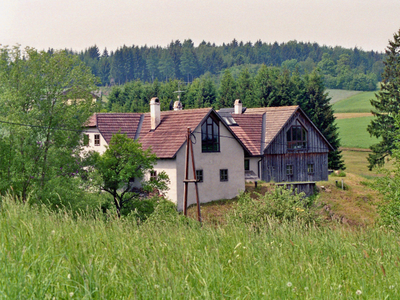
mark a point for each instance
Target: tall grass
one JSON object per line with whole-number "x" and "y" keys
{"x": 47, "y": 255}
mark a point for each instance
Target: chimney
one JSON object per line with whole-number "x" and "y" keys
{"x": 177, "y": 105}
{"x": 154, "y": 112}
{"x": 238, "y": 106}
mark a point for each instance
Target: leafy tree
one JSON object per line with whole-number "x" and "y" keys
{"x": 386, "y": 106}
{"x": 265, "y": 86}
{"x": 245, "y": 88}
{"x": 227, "y": 90}
{"x": 45, "y": 98}
{"x": 124, "y": 161}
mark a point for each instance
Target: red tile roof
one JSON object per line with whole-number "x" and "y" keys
{"x": 170, "y": 134}
{"x": 110, "y": 123}
{"x": 249, "y": 131}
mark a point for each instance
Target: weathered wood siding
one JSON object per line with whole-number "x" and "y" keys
{"x": 274, "y": 167}
{"x": 277, "y": 156}
{"x": 315, "y": 142}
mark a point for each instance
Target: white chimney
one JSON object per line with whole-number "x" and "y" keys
{"x": 154, "y": 112}
{"x": 177, "y": 105}
{"x": 238, "y": 106}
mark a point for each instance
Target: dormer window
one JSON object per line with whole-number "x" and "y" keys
{"x": 296, "y": 136}
{"x": 210, "y": 135}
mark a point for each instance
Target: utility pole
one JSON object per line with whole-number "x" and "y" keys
{"x": 186, "y": 181}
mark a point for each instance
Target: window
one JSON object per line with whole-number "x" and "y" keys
{"x": 296, "y": 137}
{"x": 131, "y": 180}
{"x": 97, "y": 139}
{"x": 199, "y": 175}
{"x": 210, "y": 135}
{"x": 310, "y": 168}
{"x": 246, "y": 164}
{"x": 153, "y": 175}
{"x": 86, "y": 140}
{"x": 223, "y": 175}
{"x": 289, "y": 169}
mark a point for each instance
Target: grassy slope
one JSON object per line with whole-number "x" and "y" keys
{"x": 337, "y": 95}
{"x": 353, "y": 132}
{"x": 357, "y": 103}
{"x": 45, "y": 255}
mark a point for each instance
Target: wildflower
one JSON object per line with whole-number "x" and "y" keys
{"x": 391, "y": 287}
{"x": 289, "y": 284}
{"x": 71, "y": 294}
{"x": 339, "y": 286}
{"x": 53, "y": 232}
{"x": 358, "y": 292}
{"x": 229, "y": 261}
{"x": 69, "y": 276}
{"x": 156, "y": 286}
{"x": 306, "y": 288}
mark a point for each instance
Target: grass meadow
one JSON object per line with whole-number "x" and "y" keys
{"x": 359, "y": 102}
{"x": 337, "y": 95}
{"x": 47, "y": 255}
{"x": 353, "y": 132}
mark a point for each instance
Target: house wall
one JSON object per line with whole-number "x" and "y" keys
{"x": 277, "y": 156}
{"x": 254, "y": 165}
{"x": 274, "y": 167}
{"x": 231, "y": 157}
{"x": 91, "y": 147}
{"x": 169, "y": 167}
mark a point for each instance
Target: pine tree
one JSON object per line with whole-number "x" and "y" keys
{"x": 387, "y": 106}
{"x": 315, "y": 103}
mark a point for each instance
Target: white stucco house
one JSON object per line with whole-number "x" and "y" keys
{"x": 219, "y": 154}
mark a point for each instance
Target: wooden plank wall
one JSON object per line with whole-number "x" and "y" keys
{"x": 277, "y": 156}
{"x": 315, "y": 142}
{"x": 274, "y": 167}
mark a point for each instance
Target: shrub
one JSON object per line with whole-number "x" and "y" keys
{"x": 281, "y": 204}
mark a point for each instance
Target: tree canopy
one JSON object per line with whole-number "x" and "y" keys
{"x": 386, "y": 106}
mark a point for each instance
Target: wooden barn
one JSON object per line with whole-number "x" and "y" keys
{"x": 285, "y": 146}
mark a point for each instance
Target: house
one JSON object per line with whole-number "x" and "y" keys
{"x": 218, "y": 152}
{"x": 284, "y": 145}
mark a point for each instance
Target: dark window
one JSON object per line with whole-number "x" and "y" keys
{"x": 86, "y": 140}
{"x": 131, "y": 180}
{"x": 153, "y": 175}
{"x": 210, "y": 135}
{"x": 310, "y": 168}
{"x": 289, "y": 169}
{"x": 97, "y": 139}
{"x": 296, "y": 136}
{"x": 199, "y": 175}
{"x": 223, "y": 175}
{"x": 246, "y": 164}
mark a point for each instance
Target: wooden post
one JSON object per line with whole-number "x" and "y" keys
{"x": 187, "y": 180}
{"x": 185, "y": 189}
{"x": 195, "y": 182}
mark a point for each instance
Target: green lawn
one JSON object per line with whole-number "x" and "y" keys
{"x": 353, "y": 132}
{"x": 357, "y": 103}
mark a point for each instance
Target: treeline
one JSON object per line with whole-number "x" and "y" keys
{"x": 271, "y": 86}
{"x": 342, "y": 68}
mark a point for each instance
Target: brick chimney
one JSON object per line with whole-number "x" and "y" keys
{"x": 238, "y": 106}
{"x": 154, "y": 112}
{"x": 177, "y": 105}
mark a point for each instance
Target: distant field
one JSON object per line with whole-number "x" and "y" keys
{"x": 337, "y": 95}
{"x": 356, "y": 103}
{"x": 353, "y": 132}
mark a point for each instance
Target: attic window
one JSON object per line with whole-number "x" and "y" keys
{"x": 97, "y": 139}
{"x": 210, "y": 135}
{"x": 296, "y": 136}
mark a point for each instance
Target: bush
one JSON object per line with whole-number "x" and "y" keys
{"x": 281, "y": 204}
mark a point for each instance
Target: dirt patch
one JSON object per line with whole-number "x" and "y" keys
{"x": 339, "y": 116}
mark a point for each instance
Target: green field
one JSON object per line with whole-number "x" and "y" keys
{"x": 337, "y": 95}
{"x": 357, "y": 103}
{"x": 353, "y": 132}
{"x": 46, "y": 255}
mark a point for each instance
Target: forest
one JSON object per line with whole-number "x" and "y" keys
{"x": 342, "y": 68}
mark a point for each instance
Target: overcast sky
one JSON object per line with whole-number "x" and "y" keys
{"x": 79, "y": 24}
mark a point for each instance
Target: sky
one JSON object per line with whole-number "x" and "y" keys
{"x": 79, "y": 24}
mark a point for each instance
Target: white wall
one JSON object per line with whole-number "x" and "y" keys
{"x": 91, "y": 147}
{"x": 254, "y": 164}
{"x": 231, "y": 157}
